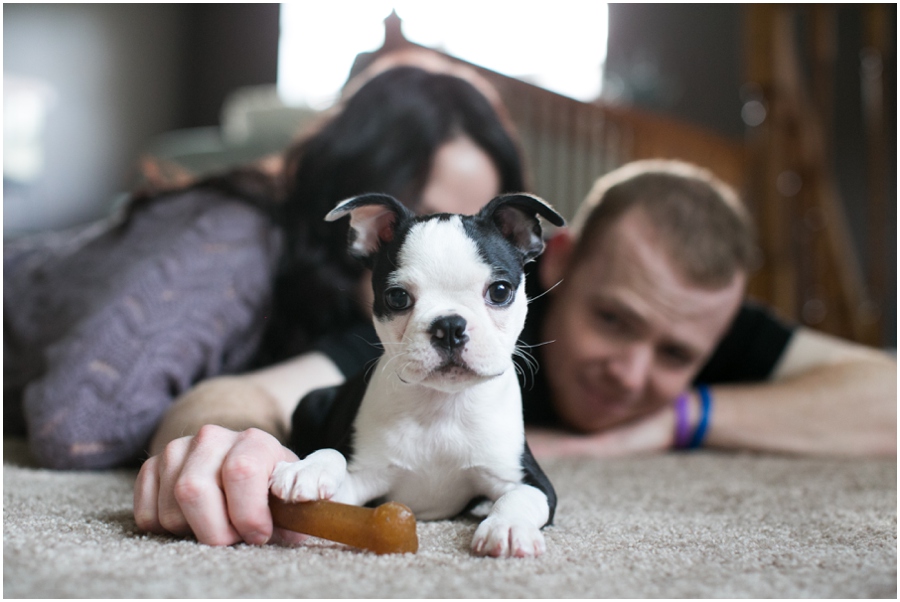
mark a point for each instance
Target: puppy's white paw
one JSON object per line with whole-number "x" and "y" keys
{"x": 316, "y": 477}
{"x": 501, "y": 538}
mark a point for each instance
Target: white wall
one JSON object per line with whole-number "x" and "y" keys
{"x": 115, "y": 70}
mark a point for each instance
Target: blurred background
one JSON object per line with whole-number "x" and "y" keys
{"x": 794, "y": 105}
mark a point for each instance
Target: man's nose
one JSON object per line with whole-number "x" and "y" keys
{"x": 631, "y": 367}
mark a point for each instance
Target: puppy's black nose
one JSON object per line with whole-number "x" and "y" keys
{"x": 448, "y": 332}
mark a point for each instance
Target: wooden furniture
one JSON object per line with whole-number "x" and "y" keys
{"x": 813, "y": 271}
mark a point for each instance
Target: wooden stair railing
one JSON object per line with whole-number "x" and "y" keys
{"x": 813, "y": 271}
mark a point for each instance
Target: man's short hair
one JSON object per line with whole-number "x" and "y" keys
{"x": 707, "y": 230}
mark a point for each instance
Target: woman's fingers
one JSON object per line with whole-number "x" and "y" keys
{"x": 169, "y": 468}
{"x": 197, "y": 489}
{"x": 146, "y": 497}
{"x": 245, "y": 480}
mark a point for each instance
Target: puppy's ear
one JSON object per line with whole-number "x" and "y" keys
{"x": 516, "y": 216}
{"x": 373, "y": 221}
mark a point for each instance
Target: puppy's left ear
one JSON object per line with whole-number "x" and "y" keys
{"x": 516, "y": 216}
{"x": 373, "y": 221}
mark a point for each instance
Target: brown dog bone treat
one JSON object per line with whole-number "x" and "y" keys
{"x": 388, "y": 529}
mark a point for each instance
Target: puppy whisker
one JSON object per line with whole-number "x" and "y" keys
{"x": 392, "y": 359}
{"x": 530, "y": 363}
{"x": 545, "y": 292}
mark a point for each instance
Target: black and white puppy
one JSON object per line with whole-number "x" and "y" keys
{"x": 437, "y": 423}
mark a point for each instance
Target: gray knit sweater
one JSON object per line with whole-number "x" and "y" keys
{"x": 105, "y": 326}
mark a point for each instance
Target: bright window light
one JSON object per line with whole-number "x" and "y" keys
{"x": 559, "y": 45}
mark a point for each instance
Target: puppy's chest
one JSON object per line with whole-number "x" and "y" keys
{"x": 436, "y": 467}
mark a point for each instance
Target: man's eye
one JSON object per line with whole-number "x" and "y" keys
{"x": 499, "y": 293}
{"x": 676, "y": 356}
{"x": 397, "y": 299}
{"x": 607, "y": 317}
{"x": 611, "y": 322}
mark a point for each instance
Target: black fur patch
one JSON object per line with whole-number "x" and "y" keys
{"x": 324, "y": 418}
{"x": 535, "y": 477}
{"x": 383, "y": 263}
{"x": 495, "y": 251}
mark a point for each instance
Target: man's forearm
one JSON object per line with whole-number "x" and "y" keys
{"x": 846, "y": 409}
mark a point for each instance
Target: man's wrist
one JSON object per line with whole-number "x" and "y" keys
{"x": 702, "y": 428}
{"x": 683, "y": 428}
{"x": 693, "y": 411}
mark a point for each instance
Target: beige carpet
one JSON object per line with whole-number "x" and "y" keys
{"x": 679, "y": 525}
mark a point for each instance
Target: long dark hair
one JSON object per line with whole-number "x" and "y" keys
{"x": 383, "y": 140}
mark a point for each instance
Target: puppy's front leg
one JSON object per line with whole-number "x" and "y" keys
{"x": 318, "y": 476}
{"x": 323, "y": 475}
{"x": 513, "y": 527}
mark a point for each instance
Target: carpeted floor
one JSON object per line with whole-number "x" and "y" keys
{"x": 678, "y": 525}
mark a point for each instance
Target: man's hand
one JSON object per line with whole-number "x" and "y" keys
{"x": 214, "y": 485}
{"x": 650, "y": 434}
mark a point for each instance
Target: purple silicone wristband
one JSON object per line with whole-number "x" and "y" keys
{"x": 682, "y": 429}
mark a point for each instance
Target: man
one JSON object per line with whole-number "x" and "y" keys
{"x": 650, "y": 279}
{"x": 644, "y": 342}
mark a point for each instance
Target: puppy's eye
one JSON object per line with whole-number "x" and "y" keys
{"x": 397, "y": 299}
{"x": 499, "y": 293}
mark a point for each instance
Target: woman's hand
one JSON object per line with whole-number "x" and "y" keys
{"x": 215, "y": 485}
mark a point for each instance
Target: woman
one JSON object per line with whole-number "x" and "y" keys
{"x": 430, "y": 139}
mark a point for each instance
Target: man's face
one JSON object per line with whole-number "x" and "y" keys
{"x": 630, "y": 331}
